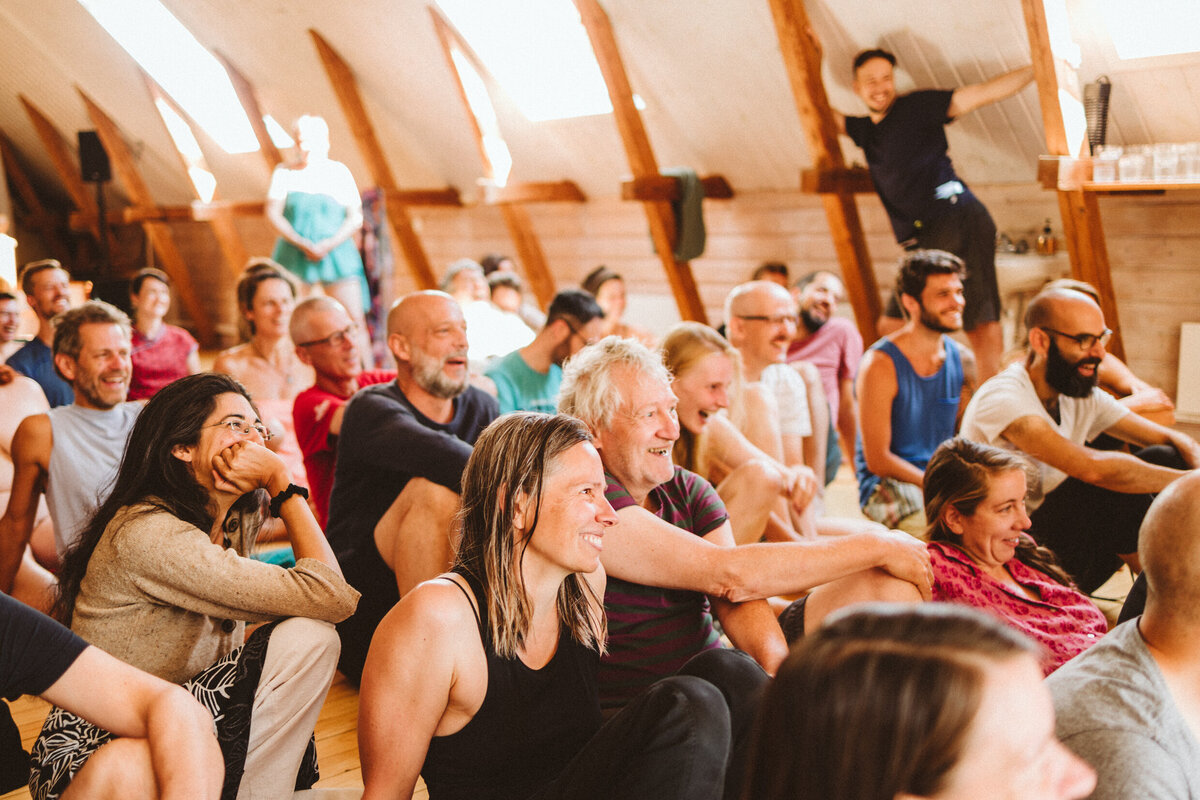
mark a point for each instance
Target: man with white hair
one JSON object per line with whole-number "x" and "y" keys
{"x": 491, "y": 331}
{"x": 400, "y": 457}
{"x": 672, "y": 552}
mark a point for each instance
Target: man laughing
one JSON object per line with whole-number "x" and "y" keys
{"x": 1090, "y": 503}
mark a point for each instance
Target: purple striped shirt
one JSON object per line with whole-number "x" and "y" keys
{"x": 652, "y": 632}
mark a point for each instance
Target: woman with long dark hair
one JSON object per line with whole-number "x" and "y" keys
{"x": 161, "y": 579}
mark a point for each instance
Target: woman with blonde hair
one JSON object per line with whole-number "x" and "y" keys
{"x": 483, "y": 680}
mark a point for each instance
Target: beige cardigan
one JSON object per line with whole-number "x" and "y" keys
{"x": 158, "y": 594}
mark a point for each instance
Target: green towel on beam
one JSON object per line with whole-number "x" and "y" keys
{"x": 689, "y": 214}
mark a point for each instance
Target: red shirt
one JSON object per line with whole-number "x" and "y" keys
{"x": 312, "y": 413}
{"x": 1064, "y": 621}
{"x": 159, "y": 361}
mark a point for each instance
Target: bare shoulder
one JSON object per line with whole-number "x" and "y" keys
{"x": 232, "y": 360}
{"x": 443, "y": 605}
{"x": 34, "y": 438}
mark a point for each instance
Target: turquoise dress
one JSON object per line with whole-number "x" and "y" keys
{"x": 317, "y": 217}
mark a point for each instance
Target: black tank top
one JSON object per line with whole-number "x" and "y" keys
{"x": 530, "y": 725}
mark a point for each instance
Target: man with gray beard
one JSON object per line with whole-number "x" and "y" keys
{"x": 1088, "y": 504}
{"x": 400, "y": 457}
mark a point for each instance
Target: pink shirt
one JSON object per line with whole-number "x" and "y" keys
{"x": 835, "y": 350}
{"x": 1064, "y": 621}
{"x": 159, "y": 361}
{"x": 312, "y": 413}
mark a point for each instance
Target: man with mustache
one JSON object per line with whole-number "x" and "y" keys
{"x": 71, "y": 452}
{"x": 911, "y": 386}
{"x": 47, "y": 286}
{"x": 400, "y": 456}
{"x": 1090, "y": 503}
{"x": 833, "y": 345}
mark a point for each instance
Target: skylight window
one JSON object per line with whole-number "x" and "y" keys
{"x": 538, "y": 51}
{"x": 1152, "y": 27}
{"x": 185, "y": 70}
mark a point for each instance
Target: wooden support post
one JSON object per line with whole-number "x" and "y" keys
{"x": 159, "y": 233}
{"x": 516, "y": 217}
{"x": 229, "y": 240}
{"x": 64, "y": 163}
{"x": 803, "y": 64}
{"x": 346, "y": 89}
{"x": 659, "y": 213}
{"x": 249, "y": 100}
{"x": 1080, "y": 210}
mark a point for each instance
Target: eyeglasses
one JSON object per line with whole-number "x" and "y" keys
{"x": 1085, "y": 340}
{"x": 586, "y": 342}
{"x": 337, "y": 338}
{"x": 243, "y": 428}
{"x": 778, "y": 319}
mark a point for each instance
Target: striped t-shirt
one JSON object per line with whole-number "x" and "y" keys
{"x": 652, "y": 632}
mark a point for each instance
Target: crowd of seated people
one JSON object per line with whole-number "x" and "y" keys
{"x": 587, "y": 590}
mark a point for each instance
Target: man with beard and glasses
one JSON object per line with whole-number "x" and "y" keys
{"x": 911, "y": 386}
{"x": 1089, "y": 503}
{"x": 71, "y": 452}
{"x": 400, "y": 457}
{"x": 833, "y": 345}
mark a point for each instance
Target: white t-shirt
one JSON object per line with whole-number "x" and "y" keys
{"x": 1010, "y": 395}
{"x": 319, "y": 177}
{"x": 792, "y": 398}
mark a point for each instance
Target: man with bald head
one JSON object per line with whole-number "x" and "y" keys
{"x": 327, "y": 340}
{"x": 1089, "y": 503}
{"x": 1129, "y": 705}
{"x": 760, "y": 321}
{"x": 400, "y": 457}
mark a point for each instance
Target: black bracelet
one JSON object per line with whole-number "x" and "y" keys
{"x": 278, "y": 500}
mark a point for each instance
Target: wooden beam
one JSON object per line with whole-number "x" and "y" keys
{"x": 640, "y": 154}
{"x": 346, "y": 89}
{"x": 848, "y": 180}
{"x": 64, "y": 163}
{"x": 426, "y": 197}
{"x": 1080, "y": 210}
{"x": 159, "y": 233}
{"x": 665, "y": 187}
{"x": 37, "y": 217}
{"x": 516, "y": 218}
{"x": 249, "y": 100}
{"x": 550, "y": 192}
{"x": 229, "y": 240}
{"x": 803, "y": 62}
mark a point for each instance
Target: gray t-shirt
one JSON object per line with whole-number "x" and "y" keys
{"x": 1116, "y": 712}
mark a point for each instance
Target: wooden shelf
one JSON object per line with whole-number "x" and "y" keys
{"x": 1143, "y": 187}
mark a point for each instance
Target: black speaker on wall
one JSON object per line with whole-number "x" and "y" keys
{"x": 93, "y": 160}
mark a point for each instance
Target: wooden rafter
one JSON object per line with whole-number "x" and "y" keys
{"x": 665, "y": 187}
{"x": 229, "y": 240}
{"x": 803, "y": 64}
{"x": 640, "y": 154}
{"x": 159, "y": 233}
{"x": 249, "y": 100}
{"x": 65, "y": 163}
{"x": 516, "y": 217}
{"x": 1080, "y": 210}
{"x": 37, "y": 216}
{"x": 346, "y": 89}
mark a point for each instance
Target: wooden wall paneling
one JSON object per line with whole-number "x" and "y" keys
{"x": 249, "y": 100}
{"x": 516, "y": 218}
{"x": 642, "y": 162}
{"x": 345, "y": 87}
{"x": 37, "y": 217}
{"x": 1082, "y": 224}
{"x": 65, "y": 164}
{"x": 219, "y": 215}
{"x": 803, "y": 62}
{"x": 158, "y": 233}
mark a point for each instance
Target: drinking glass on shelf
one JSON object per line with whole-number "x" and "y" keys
{"x": 1166, "y": 162}
{"x": 1104, "y": 163}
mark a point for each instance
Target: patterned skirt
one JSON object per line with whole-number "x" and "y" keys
{"x": 226, "y": 689}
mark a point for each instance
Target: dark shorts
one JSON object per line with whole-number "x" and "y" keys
{"x": 966, "y": 230}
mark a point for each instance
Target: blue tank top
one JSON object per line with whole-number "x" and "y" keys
{"x": 923, "y": 412}
{"x": 531, "y": 724}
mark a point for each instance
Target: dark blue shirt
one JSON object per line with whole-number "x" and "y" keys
{"x": 35, "y": 360}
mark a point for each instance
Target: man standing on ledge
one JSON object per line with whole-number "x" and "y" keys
{"x": 930, "y": 208}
